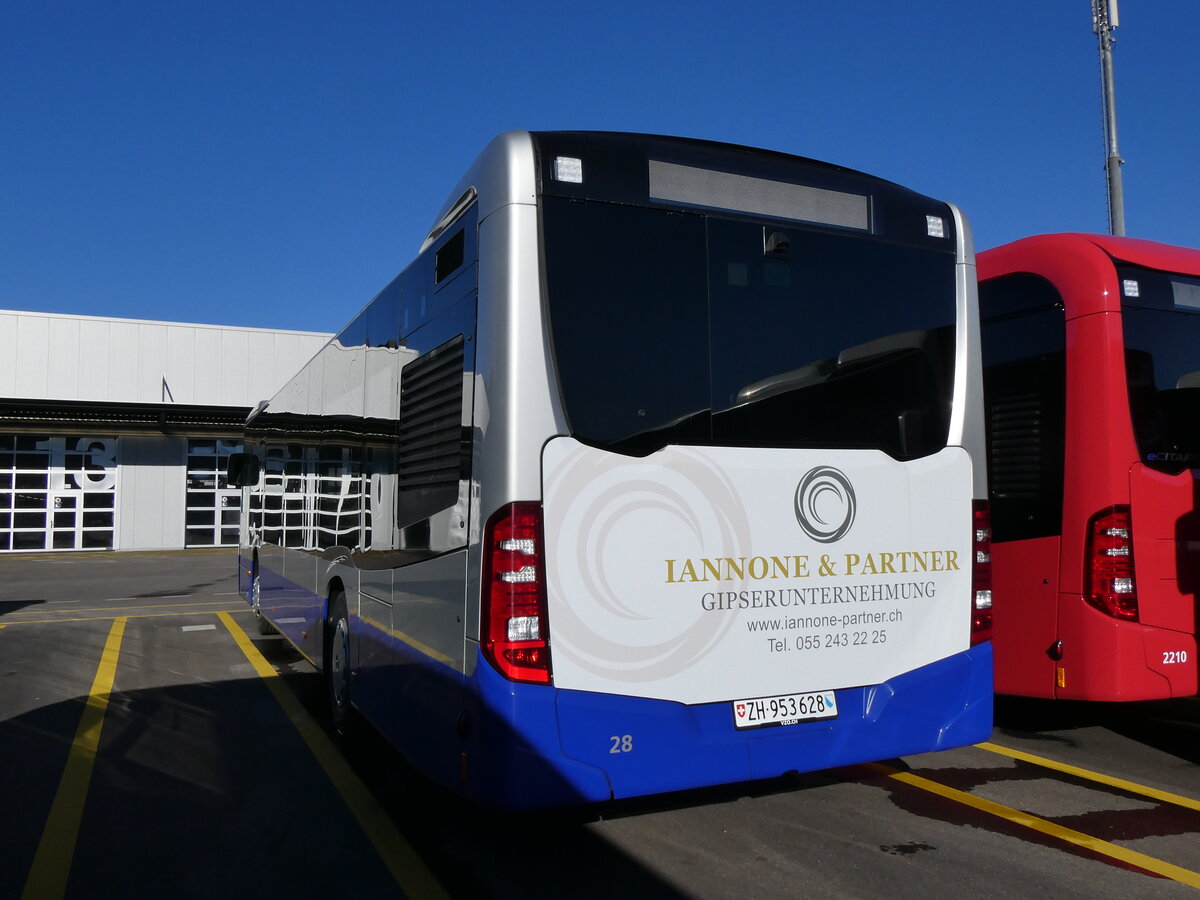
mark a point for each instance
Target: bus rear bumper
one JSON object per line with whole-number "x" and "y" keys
{"x": 1110, "y": 660}
{"x": 616, "y": 746}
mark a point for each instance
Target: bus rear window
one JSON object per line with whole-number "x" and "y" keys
{"x": 678, "y": 328}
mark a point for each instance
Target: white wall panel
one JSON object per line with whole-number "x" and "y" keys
{"x": 45, "y": 356}
{"x": 62, "y": 373}
{"x": 182, "y": 372}
{"x": 123, "y": 361}
{"x": 8, "y": 354}
{"x": 151, "y": 363}
{"x": 208, "y": 367}
{"x": 260, "y": 380}
{"x": 234, "y": 371}
{"x": 33, "y": 348}
{"x": 93, "y": 363}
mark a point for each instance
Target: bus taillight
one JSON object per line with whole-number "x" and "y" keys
{"x": 1109, "y": 584}
{"x": 513, "y": 594}
{"x": 981, "y": 572}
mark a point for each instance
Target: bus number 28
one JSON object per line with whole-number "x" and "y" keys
{"x": 1172, "y": 657}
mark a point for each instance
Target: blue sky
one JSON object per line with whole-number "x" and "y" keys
{"x": 274, "y": 164}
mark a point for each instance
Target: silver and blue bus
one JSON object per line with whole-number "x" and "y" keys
{"x": 659, "y": 467}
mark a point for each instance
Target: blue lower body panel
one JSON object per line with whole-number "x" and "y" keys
{"x": 539, "y": 746}
{"x": 294, "y": 610}
{"x": 515, "y": 757}
{"x": 523, "y": 746}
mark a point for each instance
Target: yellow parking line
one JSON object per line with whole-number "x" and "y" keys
{"x": 409, "y": 870}
{"x": 52, "y": 862}
{"x": 1035, "y": 823}
{"x": 120, "y": 608}
{"x": 1111, "y": 781}
{"x": 157, "y": 615}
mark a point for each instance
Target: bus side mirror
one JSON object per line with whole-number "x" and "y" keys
{"x": 243, "y": 470}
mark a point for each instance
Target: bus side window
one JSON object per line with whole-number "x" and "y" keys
{"x": 450, "y": 256}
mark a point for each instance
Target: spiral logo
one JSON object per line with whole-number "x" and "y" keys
{"x": 825, "y": 504}
{"x": 607, "y": 624}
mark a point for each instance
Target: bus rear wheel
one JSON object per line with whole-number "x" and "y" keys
{"x": 337, "y": 663}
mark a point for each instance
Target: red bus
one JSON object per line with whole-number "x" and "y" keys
{"x": 1091, "y": 350}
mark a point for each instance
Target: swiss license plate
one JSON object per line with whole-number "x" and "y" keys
{"x": 760, "y": 712}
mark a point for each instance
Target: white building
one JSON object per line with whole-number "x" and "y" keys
{"x": 114, "y": 432}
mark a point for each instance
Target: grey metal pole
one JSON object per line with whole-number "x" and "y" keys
{"x": 1104, "y": 21}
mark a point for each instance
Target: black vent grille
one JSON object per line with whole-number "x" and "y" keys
{"x": 1018, "y": 464}
{"x": 431, "y": 433}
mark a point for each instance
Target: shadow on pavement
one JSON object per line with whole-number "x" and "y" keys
{"x": 206, "y": 789}
{"x": 1171, "y": 726}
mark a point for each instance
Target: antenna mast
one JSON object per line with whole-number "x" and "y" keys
{"x": 1104, "y": 22}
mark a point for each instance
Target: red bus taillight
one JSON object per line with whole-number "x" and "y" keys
{"x": 1108, "y": 578}
{"x": 513, "y": 594}
{"x": 981, "y": 572}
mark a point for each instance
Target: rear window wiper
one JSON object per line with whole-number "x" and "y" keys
{"x": 823, "y": 369}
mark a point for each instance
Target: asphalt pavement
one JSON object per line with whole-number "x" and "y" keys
{"x": 153, "y": 744}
